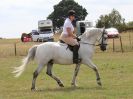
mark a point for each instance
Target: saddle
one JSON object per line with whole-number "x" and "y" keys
{"x": 69, "y": 46}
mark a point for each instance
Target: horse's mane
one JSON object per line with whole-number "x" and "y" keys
{"x": 90, "y": 32}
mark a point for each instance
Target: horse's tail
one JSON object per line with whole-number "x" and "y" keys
{"x": 31, "y": 54}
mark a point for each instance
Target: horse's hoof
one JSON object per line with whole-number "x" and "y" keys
{"x": 99, "y": 83}
{"x": 61, "y": 85}
{"x": 74, "y": 85}
{"x": 33, "y": 89}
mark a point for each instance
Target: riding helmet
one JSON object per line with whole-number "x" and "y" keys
{"x": 71, "y": 13}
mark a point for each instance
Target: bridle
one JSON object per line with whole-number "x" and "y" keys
{"x": 102, "y": 37}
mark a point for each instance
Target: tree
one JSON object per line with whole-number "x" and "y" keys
{"x": 130, "y": 24}
{"x": 103, "y": 22}
{"x": 113, "y": 19}
{"x": 60, "y": 12}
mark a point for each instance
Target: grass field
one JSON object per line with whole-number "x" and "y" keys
{"x": 115, "y": 68}
{"x": 116, "y": 71}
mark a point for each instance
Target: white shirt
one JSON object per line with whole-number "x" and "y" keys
{"x": 67, "y": 24}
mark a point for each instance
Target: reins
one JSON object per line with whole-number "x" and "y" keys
{"x": 87, "y": 43}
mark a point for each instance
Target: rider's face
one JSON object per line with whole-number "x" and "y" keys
{"x": 72, "y": 18}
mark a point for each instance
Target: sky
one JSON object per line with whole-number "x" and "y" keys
{"x": 19, "y": 16}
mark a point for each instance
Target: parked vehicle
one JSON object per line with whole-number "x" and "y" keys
{"x": 112, "y": 32}
{"x": 82, "y": 26}
{"x": 35, "y": 35}
{"x": 45, "y": 30}
{"x": 26, "y": 37}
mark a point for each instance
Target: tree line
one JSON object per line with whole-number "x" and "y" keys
{"x": 113, "y": 19}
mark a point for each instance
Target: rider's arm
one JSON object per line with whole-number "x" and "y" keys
{"x": 70, "y": 33}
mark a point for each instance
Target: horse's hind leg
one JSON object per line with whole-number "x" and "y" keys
{"x": 35, "y": 74}
{"x": 94, "y": 67}
{"x": 49, "y": 72}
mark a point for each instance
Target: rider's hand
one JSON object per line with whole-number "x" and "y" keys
{"x": 78, "y": 39}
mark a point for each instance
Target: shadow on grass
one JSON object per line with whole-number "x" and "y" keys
{"x": 69, "y": 89}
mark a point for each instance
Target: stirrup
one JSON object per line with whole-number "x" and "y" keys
{"x": 76, "y": 61}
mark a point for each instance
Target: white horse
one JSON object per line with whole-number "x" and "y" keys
{"x": 55, "y": 52}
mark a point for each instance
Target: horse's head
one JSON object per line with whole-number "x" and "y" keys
{"x": 102, "y": 39}
{"x": 95, "y": 34}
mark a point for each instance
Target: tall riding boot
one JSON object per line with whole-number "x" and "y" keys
{"x": 75, "y": 54}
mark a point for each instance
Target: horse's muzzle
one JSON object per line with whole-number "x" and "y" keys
{"x": 103, "y": 47}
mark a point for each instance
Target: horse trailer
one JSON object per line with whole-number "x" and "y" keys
{"x": 82, "y": 26}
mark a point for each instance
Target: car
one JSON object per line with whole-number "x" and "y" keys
{"x": 35, "y": 35}
{"x": 112, "y": 32}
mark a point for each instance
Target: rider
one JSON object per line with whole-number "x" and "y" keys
{"x": 68, "y": 37}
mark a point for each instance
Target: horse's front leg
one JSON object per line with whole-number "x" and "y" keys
{"x": 75, "y": 75}
{"x": 90, "y": 64}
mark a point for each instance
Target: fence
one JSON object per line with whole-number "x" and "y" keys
{"x": 122, "y": 44}
{"x": 16, "y": 47}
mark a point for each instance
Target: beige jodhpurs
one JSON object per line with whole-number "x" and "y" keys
{"x": 69, "y": 40}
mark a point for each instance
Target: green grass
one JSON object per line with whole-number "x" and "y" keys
{"x": 116, "y": 71}
{"x": 115, "y": 68}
